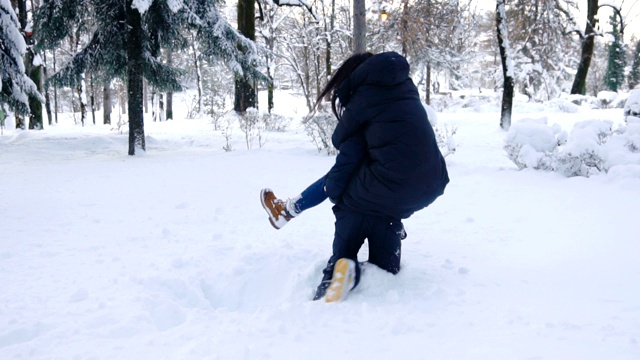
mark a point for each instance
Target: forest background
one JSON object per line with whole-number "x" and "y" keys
{"x": 79, "y": 55}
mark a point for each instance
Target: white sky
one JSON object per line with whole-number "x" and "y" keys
{"x": 630, "y": 11}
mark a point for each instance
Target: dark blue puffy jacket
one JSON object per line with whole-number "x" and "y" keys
{"x": 403, "y": 170}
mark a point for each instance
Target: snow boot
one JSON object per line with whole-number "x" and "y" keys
{"x": 343, "y": 280}
{"x": 277, "y": 210}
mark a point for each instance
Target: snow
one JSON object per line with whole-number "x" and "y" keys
{"x": 170, "y": 255}
{"x": 142, "y": 5}
{"x": 9, "y": 25}
{"x": 175, "y": 5}
{"x": 632, "y": 105}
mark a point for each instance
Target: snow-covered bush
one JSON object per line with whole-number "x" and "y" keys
{"x": 276, "y": 122}
{"x": 216, "y": 116}
{"x": 471, "y": 103}
{"x": 121, "y": 125}
{"x": 581, "y": 100}
{"x": 320, "y": 128}
{"x": 193, "y": 106}
{"x": 444, "y": 133}
{"x": 592, "y": 146}
{"x": 563, "y": 105}
{"x": 216, "y": 108}
{"x": 632, "y": 107}
{"x": 228, "y": 122}
{"x": 321, "y": 125}
{"x": 253, "y": 127}
{"x": 441, "y": 101}
{"x": 444, "y": 137}
{"x": 607, "y": 97}
{"x": 529, "y": 143}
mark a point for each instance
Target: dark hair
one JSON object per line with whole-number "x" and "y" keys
{"x": 340, "y": 75}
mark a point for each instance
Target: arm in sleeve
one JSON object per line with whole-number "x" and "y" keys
{"x": 347, "y": 126}
{"x": 351, "y": 156}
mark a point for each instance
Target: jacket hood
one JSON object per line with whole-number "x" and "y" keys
{"x": 384, "y": 69}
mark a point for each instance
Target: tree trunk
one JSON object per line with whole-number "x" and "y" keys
{"x": 122, "y": 98}
{"x": 507, "y": 66}
{"x": 82, "y": 94}
{"x": 92, "y": 103}
{"x": 106, "y": 104}
{"x": 245, "y": 92}
{"x": 580, "y": 81}
{"x": 359, "y": 26}
{"x": 428, "y": 85}
{"x": 47, "y": 98}
{"x": 154, "y": 107}
{"x": 145, "y": 97}
{"x": 196, "y": 65}
{"x": 55, "y": 90}
{"x": 404, "y": 27}
{"x": 270, "y": 90}
{"x": 135, "y": 80}
{"x": 329, "y": 37}
{"x": 169, "y": 115}
{"x": 35, "y": 74}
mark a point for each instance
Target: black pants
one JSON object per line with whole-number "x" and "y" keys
{"x": 384, "y": 235}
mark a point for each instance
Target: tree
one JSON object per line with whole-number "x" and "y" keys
{"x": 16, "y": 85}
{"x": 543, "y": 54}
{"x": 359, "y": 26}
{"x": 507, "y": 65}
{"x": 106, "y": 104}
{"x": 580, "y": 81}
{"x": 127, "y": 41}
{"x": 588, "y": 41}
{"x": 438, "y": 34}
{"x": 33, "y": 68}
{"x": 617, "y": 59}
{"x": 302, "y": 50}
{"x": 169, "y": 114}
{"x": 598, "y": 69}
{"x": 245, "y": 89}
{"x": 634, "y": 74}
{"x": 135, "y": 67}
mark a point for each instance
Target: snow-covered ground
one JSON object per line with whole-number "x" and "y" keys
{"x": 169, "y": 255}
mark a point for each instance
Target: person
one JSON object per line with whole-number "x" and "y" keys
{"x": 388, "y": 167}
{"x": 350, "y": 156}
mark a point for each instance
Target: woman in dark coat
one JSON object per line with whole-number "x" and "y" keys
{"x": 389, "y": 167}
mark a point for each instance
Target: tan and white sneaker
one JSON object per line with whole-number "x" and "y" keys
{"x": 344, "y": 274}
{"x": 279, "y": 216}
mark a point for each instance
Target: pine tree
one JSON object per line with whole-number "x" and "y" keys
{"x": 617, "y": 59}
{"x": 16, "y": 86}
{"x": 634, "y": 75}
{"x": 128, "y": 38}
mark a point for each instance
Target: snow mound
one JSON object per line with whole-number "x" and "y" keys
{"x": 632, "y": 105}
{"x": 592, "y": 146}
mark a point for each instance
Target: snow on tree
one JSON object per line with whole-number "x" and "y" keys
{"x": 437, "y": 34}
{"x": 300, "y": 3}
{"x": 128, "y": 38}
{"x": 544, "y": 56}
{"x": 16, "y": 85}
